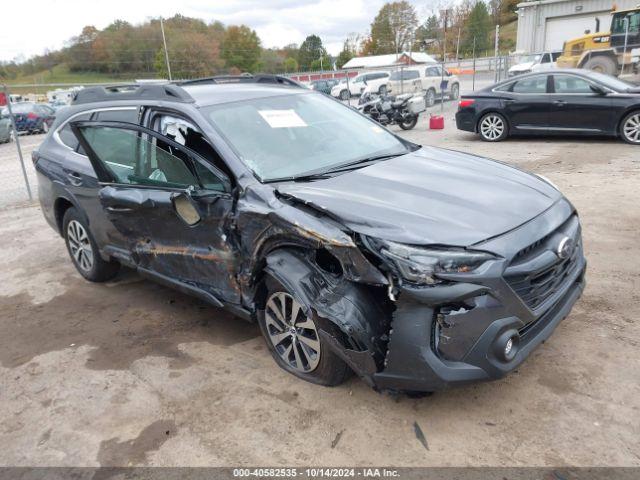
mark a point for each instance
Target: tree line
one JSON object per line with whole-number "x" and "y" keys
{"x": 196, "y": 48}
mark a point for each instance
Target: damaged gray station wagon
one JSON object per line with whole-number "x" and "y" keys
{"x": 418, "y": 268}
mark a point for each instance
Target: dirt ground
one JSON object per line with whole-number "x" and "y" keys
{"x": 131, "y": 373}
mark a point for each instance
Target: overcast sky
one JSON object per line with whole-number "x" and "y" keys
{"x": 32, "y": 26}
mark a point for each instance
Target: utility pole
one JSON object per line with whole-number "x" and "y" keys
{"x": 497, "y": 43}
{"x": 17, "y": 138}
{"x": 166, "y": 52}
{"x": 458, "y": 48}
{"x": 626, "y": 39}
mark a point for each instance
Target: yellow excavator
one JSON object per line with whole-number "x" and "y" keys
{"x": 606, "y": 52}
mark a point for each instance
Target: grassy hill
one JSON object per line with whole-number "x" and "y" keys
{"x": 60, "y": 74}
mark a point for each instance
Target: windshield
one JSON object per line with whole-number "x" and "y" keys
{"x": 611, "y": 82}
{"x": 529, "y": 58}
{"x": 296, "y": 134}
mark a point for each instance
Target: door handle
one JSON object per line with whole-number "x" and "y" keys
{"x": 74, "y": 178}
{"x": 560, "y": 103}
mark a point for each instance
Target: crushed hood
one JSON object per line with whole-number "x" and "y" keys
{"x": 431, "y": 196}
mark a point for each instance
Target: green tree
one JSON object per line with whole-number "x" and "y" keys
{"x": 428, "y": 34}
{"x": 271, "y": 61}
{"x": 478, "y": 26}
{"x": 241, "y": 48}
{"x": 290, "y": 65}
{"x": 393, "y": 28}
{"x": 325, "y": 63}
{"x": 310, "y": 50}
{"x": 349, "y": 50}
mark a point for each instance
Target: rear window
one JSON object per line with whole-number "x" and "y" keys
{"x": 531, "y": 85}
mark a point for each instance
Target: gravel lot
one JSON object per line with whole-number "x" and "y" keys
{"x": 131, "y": 373}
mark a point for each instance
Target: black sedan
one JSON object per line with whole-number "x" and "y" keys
{"x": 569, "y": 102}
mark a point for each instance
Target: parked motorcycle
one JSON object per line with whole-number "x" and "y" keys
{"x": 402, "y": 110}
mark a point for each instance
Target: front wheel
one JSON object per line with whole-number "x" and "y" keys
{"x": 430, "y": 97}
{"x": 492, "y": 127}
{"x": 293, "y": 338}
{"x": 630, "y": 128}
{"x": 345, "y": 95}
{"x": 83, "y": 249}
{"x": 409, "y": 122}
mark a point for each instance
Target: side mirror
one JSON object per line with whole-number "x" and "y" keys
{"x": 597, "y": 89}
{"x": 185, "y": 208}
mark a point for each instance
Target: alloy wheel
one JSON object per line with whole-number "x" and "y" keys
{"x": 631, "y": 128}
{"x": 492, "y": 127}
{"x": 293, "y": 335}
{"x": 80, "y": 245}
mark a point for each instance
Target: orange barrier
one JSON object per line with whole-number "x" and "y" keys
{"x": 461, "y": 71}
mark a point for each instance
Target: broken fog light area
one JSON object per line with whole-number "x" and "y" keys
{"x": 459, "y": 325}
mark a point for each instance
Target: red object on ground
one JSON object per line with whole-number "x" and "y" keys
{"x": 436, "y": 122}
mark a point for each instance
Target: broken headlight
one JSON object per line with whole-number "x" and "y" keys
{"x": 421, "y": 265}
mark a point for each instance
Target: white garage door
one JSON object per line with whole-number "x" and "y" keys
{"x": 560, "y": 29}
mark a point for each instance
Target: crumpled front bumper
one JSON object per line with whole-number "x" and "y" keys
{"x": 414, "y": 363}
{"x": 455, "y": 333}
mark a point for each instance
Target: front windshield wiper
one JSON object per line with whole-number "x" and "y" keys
{"x": 344, "y": 167}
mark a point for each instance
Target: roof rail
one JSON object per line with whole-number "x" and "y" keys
{"x": 243, "y": 78}
{"x": 132, "y": 92}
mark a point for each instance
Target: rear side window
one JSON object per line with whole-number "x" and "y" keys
{"x": 66, "y": 135}
{"x": 531, "y": 85}
{"x": 69, "y": 139}
{"x": 129, "y": 116}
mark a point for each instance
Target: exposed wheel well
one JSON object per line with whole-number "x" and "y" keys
{"x": 60, "y": 207}
{"x": 321, "y": 257}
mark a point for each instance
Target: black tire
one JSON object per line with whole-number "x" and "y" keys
{"x": 99, "y": 270}
{"x": 330, "y": 369}
{"x": 630, "y": 128}
{"x": 602, "y": 64}
{"x": 455, "y": 92}
{"x": 430, "y": 97}
{"x": 345, "y": 95}
{"x": 410, "y": 124}
{"x": 495, "y": 136}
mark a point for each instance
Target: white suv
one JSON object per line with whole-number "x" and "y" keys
{"x": 425, "y": 79}
{"x": 376, "y": 81}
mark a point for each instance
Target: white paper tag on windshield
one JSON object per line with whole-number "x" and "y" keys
{"x": 282, "y": 118}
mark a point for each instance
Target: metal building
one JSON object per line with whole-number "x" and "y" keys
{"x": 544, "y": 25}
